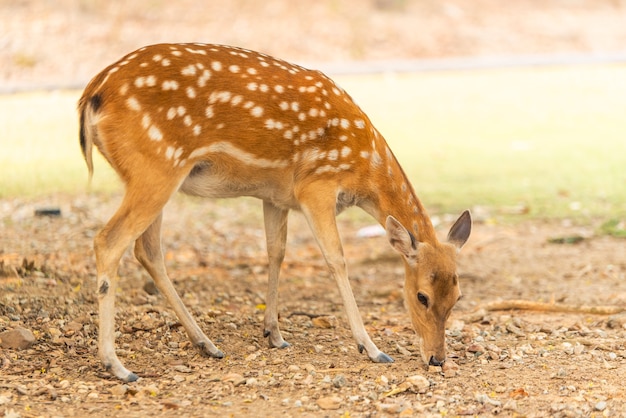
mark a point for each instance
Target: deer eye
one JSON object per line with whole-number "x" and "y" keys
{"x": 422, "y": 298}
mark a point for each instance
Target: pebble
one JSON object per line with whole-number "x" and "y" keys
{"x": 419, "y": 384}
{"x": 324, "y": 322}
{"x": 18, "y": 339}
{"x": 339, "y": 381}
{"x": 329, "y": 402}
{"x": 119, "y": 390}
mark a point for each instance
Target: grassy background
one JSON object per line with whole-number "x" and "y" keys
{"x": 551, "y": 140}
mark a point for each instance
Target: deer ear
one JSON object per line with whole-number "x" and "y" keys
{"x": 400, "y": 238}
{"x": 460, "y": 231}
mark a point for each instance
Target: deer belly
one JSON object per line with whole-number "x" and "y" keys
{"x": 208, "y": 179}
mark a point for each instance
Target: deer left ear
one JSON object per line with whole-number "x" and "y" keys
{"x": 400, "y": 238}
{"x": 460, "y": 231}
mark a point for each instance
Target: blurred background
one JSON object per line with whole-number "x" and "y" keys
{"x": 511, "y": 107}
{"x": 65, "y": 42}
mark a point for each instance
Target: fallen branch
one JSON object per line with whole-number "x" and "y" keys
{"x": 525, "y": 305}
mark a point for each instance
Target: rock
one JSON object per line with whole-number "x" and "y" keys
{"x": 324, "y": 322}
{"x": 419, "y": 384}
{"x": 339, "y": 381}
{"x": 235, "y": 378}
{"x": 119, "y": 390}
{"x": 18, "y": 339}
{"x": 450, "y": 368}
{"x": 329, "y": 402}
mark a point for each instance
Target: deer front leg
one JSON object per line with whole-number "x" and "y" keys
{"x": 276, "y": 236}
{"x": 130, "y": 220}
{"x": 320, "y": 215}
{"x": 150, "y": 254}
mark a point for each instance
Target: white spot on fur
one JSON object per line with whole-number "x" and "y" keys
{"x": 234, "y": 69}
{"x": 189, "y": 70}
{"x": 313, "y": 112}
{"x": 295, "y": 106}
{"x": 133, "y": 104}
{"x": 273, "y": 124}
{"x": 252, "y": 71}
{"x": 151, "y": 81}
{"x": 170, "y": 85}
{"x": 236, "y": 100}
{"x": 206, "y": 75}
{"x": 216, "y": 65}
{"x": 187, "y": 120}
{"x": 253, "y": 86}
{"x": 191, "y": 92}
{"x": 279, "y": 89}
{"x": 345, "y": 123}
{"x": 359, "y": 123}
{"x": 257, "y": 111}
{"x": 365, "y": 154}
{"x": 196, "y": 51}
{"x": 146, "y": 121}
{"x": 333, "y": 155}
{"x": 155, "y": 133}
{"x": 284, "y": 106}
{"x": 345, "y": 151}
{"x": 197, "y": 129}
{"x": 166, "y": 62}
{"x": 171, "y": 113}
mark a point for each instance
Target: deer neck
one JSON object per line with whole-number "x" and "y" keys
{"x": 394, "y": 196}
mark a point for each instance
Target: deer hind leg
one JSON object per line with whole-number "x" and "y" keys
{"x": 319, "y": 210}
{"x": 149, "y": 252}
{"x": 137, "y": 211}
{"x": 276, "y": 236}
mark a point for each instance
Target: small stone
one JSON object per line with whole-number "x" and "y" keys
{"x": 329, "y": 402}
{"x": 450, "y": 369}
{"x": 324, "y": 322}
{"x": 235, "y": 378}
{"x": 18, "y": 339}
{"x": 182, "y": 368}
{"x": 119, "y": 390}
{"x": 339, "y": 381}
{"x": 419, "y": 384}
{"x": 600, "y": 406}
{"x": 477, "y": 349}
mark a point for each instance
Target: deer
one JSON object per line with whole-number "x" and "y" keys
{"x": 219, "y": 121}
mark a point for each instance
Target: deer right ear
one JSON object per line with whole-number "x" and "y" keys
{"x": 400, "y": 238}
{"x": 461, "y": 230}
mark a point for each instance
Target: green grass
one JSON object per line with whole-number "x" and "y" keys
{"x": 550, "y": 139}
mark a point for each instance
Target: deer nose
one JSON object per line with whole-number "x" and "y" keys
{"x": 435, "y": 362}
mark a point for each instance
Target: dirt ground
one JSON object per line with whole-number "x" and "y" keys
{"x": 510, "y": 362}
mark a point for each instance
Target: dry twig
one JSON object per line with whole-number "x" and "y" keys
{"x": 525, "y": 305}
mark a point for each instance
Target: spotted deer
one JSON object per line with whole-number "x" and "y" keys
{"x": 221, "y": 121}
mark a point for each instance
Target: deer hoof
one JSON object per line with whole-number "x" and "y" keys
{"x": 382, "y": 358}
{"x": 132, "y": 377}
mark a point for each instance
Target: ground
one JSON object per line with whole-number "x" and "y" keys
{"x": 509, "y": 362}
{"x": 501, "y": 362}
